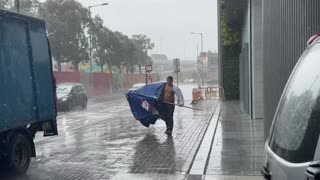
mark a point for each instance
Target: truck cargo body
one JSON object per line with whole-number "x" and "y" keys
{"x": 27, "y": 86}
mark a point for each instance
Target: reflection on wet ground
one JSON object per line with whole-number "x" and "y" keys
{"x": 153, "y": 156}
{"x": 105, "y": 140}
{"x": 238, "y": 144}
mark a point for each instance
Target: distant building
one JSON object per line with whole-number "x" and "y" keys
{"x": 161, "y": 63}
{"x": 159, "y": 58}
{"x": 212, "y": 67}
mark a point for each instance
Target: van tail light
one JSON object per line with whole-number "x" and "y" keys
{"x": 312, "y": 39}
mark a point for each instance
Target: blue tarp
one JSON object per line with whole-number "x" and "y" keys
{"x": 144, "y": 101}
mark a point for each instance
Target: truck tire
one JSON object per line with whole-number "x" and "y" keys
{"x": 19, "y": 154}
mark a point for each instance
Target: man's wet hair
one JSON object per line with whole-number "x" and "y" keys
{"x": 170, "y": 78}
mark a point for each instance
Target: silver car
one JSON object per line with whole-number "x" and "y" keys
{"x": 293, "y": 147}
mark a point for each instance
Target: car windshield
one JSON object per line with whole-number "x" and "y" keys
{"x": 64, "y": 89}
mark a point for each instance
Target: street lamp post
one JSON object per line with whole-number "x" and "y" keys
{"x": 90, "y": 34}
{"x": 202, "y": 76}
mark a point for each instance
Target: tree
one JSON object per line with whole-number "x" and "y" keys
{"x": 132, "y": 56}
{"x": 66, "y": 24}
{"x": 143, "y": 44}
{"x": 102, "y": 43}
{"x": 118, "y": 49}
{"x": 3, "y": 3}
{"x": 28, "y": 7}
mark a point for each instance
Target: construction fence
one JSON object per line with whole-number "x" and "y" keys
{"x": 207, "y": 93}
{"x": 101, "y": 84}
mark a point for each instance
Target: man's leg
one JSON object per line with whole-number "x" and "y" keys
{"x": 169, "y": 119}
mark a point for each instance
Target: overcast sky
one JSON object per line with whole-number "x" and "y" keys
{"x": 167, "y": 22}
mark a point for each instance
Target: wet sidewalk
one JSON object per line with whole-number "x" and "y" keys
{"x": 231, "y": 149}
{"x": 237, "y": 149}
{"x": 238, "y": 146}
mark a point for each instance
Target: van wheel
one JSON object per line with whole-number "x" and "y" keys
{"x": 19, "y": 154}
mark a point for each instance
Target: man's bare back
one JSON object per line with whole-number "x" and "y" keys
{"x": 168, "y": 94}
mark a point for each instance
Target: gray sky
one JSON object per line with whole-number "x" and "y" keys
{"x": 167, "y": 22}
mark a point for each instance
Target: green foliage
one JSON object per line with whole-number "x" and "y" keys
{"x": 143, "y": 43}
{"x": 231, "y": 48}
{"x": 69, "y": 25}
{"x": 229, "y": 36}
{"x": 27, "y": 7}
{"x": 66, "y": 21}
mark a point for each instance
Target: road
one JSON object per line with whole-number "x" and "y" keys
{"x": 104, "y": 140}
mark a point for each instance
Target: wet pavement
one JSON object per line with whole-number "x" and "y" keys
{"x": 104, "y": 141}
{"x": 238, "y": 146}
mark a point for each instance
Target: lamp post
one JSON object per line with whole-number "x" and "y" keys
{"x": 201, "y": 35}
{"x": 90, "y": 34}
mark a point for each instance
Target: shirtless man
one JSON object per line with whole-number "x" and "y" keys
{"x": 170, "y": 91}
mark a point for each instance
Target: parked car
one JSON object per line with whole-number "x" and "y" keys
{"x": 293, "y": 146}
{"x": 70, "y": 95}
{"x": 137, "y": 86}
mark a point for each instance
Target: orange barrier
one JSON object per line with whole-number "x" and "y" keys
{"x": 207, "y": 93}
{"x": 197, "y": 94}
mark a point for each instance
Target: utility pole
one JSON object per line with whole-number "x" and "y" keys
{"x": 90, "y": 34}
{"x": 202, "y": 71}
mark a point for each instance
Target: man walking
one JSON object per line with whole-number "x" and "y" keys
{"x": 169, "y": 93}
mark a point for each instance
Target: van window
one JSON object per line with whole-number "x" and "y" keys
{"x": 297, "y": 122}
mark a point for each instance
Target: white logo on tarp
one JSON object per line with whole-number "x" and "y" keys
{"x": 145, "y": 105}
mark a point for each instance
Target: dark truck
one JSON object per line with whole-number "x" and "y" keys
{"x": 27, "y": 89}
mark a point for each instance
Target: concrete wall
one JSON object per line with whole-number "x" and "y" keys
{"x": 251, "y": 61}
{"x": 257, "y": 60}
{"x": 245, "y": 63}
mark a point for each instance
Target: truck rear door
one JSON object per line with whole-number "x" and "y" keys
{"x": 16, "y": 86}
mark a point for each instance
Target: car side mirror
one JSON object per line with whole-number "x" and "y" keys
{"x": 313, "y": 171}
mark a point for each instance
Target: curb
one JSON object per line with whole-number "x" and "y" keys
{"x": 200, "y": 162}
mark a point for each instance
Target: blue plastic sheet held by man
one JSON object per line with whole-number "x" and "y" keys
{"x": 144, "y": 103}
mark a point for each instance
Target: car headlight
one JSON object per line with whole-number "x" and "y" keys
{"x": 64, "y": 99}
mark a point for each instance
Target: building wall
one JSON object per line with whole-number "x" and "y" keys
{"x": 287, "y": 25}
{"x": 251, "y": 61}
{"x": 220, "y": 70}
{"x": 257, "y": 60}
{"x": 244, "y": 65}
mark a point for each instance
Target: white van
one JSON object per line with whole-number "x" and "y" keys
{"x": 293, "y": 147}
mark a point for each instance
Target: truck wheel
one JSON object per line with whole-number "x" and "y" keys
{"x": 19, "y": 154}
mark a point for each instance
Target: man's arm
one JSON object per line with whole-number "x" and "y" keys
{"x": 179, "y": 95}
